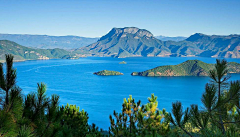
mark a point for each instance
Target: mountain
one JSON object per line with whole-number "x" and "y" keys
{"x": 22, "y": 53}
{"x": 165, "y": 38}
{"x": 187, "y": 68}
{"x": 135, "y": 42}
{"x": 216, "y": 45}
{"x": 125, "y": 42}
{"x": 49, "y": 42}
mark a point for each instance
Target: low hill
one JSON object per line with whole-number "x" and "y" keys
{"x": 187, "y": 68}
{"x": 22, "y": 53}
{"x": 49, "y": 42}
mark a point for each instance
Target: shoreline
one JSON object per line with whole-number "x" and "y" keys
{"x": 3, "y": 61}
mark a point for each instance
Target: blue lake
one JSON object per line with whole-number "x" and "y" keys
{"x": 74, "y": 81}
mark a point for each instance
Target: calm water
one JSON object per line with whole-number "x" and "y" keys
{"x": 74, "y": 81}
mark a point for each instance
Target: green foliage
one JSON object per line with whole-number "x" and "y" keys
{"x": 37, "y": 114}
{"x": 180, "y": 117}
{"x": 8, "y": 80}
{"x": 8, "y": 126}
{"x": 25, "y": 131}
{"x": 220, "y": 115}
{"x": 47, "y": 118}
{"x": 75, "y": 119}
{"x": 11, "y": 102}
{"x": 136, "y": 120}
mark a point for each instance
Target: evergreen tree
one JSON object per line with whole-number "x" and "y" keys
{"x": 221, "y": 111}
{"x": 74, "y": 120}
{"x": 8, "y": 80}
{"x": 11, "y": 99}
{"x": 219, "y": 76}
{"x": 38, "y": 115}
{"x": 136, "y": 120}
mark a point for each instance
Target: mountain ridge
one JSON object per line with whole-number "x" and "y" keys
{"x": 135, "y": 42}
{"x": 217, "y": 45}
{"x": 49, "y": 42}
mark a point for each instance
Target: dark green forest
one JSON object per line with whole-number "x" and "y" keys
{"x": 37, "y": 115}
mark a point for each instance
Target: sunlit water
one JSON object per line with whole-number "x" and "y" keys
{"x": 74, "y": 81}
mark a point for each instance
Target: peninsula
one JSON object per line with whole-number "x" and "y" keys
{"x": 187, "y": 68}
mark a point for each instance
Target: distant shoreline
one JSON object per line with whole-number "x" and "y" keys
{"x": 2, "y": 61}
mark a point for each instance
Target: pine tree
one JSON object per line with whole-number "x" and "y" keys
{"x": 38, "y": 115}
{"x": 137, "y": 120}
{"x": 11, "y": 100}
{"x": 220, "y": 77}
{"x": 8, "y": 80}
{"x": 74, "y": 120}
{"x": 220, "y": 114}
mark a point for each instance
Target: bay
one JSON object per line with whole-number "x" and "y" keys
{"x": 74, "y": 82}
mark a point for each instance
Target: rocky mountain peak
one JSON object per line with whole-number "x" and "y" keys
{"x": 136, "y": 31}
{"x": 128, "y": 30}
{"x": 131, "y": 30}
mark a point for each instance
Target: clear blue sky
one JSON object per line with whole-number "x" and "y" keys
{"x": 94, "y": 18}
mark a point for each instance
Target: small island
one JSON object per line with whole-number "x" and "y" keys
{"x": 108, "y": 73}
{"x": 123, "y": 62}
{"x": 187, "y": 68}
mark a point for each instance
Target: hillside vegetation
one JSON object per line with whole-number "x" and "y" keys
{"x": 22, "y": 53}
{"x": 187, "y": 68}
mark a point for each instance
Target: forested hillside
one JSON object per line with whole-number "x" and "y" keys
{"x": 22, "y": 53}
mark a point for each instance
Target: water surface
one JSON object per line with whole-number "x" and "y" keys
{"x": 74, "y": 81}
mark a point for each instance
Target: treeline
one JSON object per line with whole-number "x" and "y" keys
{"x": 37, "y": 115}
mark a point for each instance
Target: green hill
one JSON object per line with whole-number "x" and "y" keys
{"x": 22, "y": 53}
{"x": 107, "y": 73}
{"x": 187, "y": 68}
